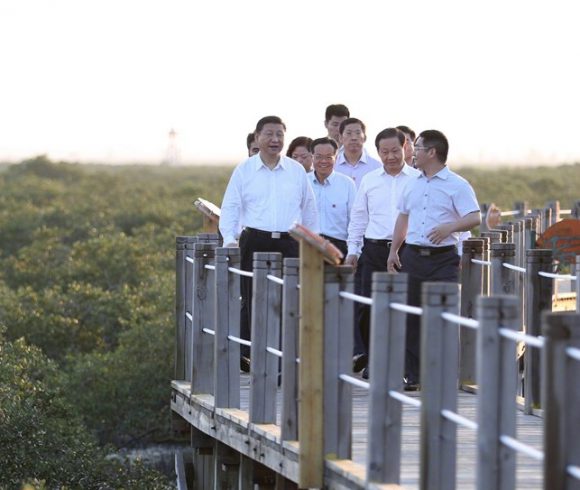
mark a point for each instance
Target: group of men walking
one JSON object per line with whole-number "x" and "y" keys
{"x": 402, "y": 213}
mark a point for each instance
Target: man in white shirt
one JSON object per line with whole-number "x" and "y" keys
{"x": 266, "y": 195}
{"x": 372, "y": 222}
{"x": 354, "y": 161}
{"x": 410, "y": 146}
{"x": 433, "y": 211}
{"x": 334, "y": 115}
{"x": 334, "y": 193}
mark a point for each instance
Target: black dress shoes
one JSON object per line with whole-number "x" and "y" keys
{"x": 359, "y": 362}
{"x": 245, "y": 364}
{"x": 365, "y": 373}
{"x": 410, "y": 384}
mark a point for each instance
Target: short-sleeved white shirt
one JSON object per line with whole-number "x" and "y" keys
{"x": 443, "y": 198}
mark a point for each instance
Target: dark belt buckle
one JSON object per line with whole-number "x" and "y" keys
{"x": 424, "y": 252}
{"x": 276, "y": 234}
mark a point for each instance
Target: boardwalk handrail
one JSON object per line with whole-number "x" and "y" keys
{"x": 495, "y": 323}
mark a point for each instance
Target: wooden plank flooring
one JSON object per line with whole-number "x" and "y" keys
{"x": 529, "y": 431}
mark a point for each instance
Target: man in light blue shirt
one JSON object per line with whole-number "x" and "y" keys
{"x": 354, "y": 161}
{"x": 334, "y": 193}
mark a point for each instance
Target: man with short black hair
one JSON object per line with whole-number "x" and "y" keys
{"x": 252, "y": 144}
{"x": 433, "y": 211}
{"x": 334, "y": 193}
{"x": 354, "y": 161}
{"x": 334, "y": 115}
{"x": 266, "y": 195}
{"x": 372, "y": 222}
{"x": 410, "y": 137}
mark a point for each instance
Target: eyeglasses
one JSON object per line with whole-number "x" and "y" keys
{"x": 321, "y": 158}
{"x": 417, "y": 148}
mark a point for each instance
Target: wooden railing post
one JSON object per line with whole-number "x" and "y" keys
{"x": 203, "y": 298}
{"x": 311, "y": 369}
{"x": 555, "y": 207}
{"x": 266, "y": 312}
{"x": 226, "y": 375}
{"x": 290, "y": 317}
{"x": 502, "y": 279}
{"x": 338, "y": 345}
{"x": 522, "y": 208}
{"x": 439, "y": 381}
{"x": 539, "y": 291}
{"x": 387, "y": 360}
{"x": 471, "y": 286}
{"x": 506, "y": 230}
{"x": 560, "y": 399}
{"x": 577, "y": 283}
{"x": 575, "y": 209}
{"x": 183, "y": 248}
{"x": 497, "y": 376}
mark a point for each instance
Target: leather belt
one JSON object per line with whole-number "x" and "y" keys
{"x": 428, "y": 251}
{"x": 384, "y": 243}
{"x": 268, "y": 234}
{"x": 332, "y": 239}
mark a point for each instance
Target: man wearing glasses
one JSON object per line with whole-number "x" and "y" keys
{"x": 334, "y": 193}
{"x": 433, "y": 211}
{"x": 372, "y": 223}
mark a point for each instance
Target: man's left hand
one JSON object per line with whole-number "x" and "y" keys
{"x": 440, "y": 233}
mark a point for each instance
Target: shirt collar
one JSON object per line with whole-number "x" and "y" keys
{"x": 442, "y": 174}
{"x": 341, "y": 159}
{"x": 327, "y": 181}
{"x": 258, "y": 163}
{"x": 407, "y": 170}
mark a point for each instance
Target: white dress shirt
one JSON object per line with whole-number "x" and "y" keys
{"x": 443, "y": 198}
{"x": 334, "y": 199}
{"x": 357, "y": 171}
{"x": 268, "y": 200}
{"x": 374, "y": 212}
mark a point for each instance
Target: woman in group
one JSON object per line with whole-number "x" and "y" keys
{"x": 299, "y": 150}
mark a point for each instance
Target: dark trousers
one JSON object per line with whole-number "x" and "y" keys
{"x": 443, "y": 267}
{"x": 340, "y": 244}
{"x": 373, "y": 258}
{"x": 251, "y": 242}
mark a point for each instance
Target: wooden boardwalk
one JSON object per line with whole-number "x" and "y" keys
{"x": 234, "y": 428}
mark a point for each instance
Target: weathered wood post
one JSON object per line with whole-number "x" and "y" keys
{"x": 183, "y": 249}
{"x": 539, "y": 291}
{"x": 226, "y": 376}
{"x": 576, "y": 209}
{"x": 577, "y": 283}
{"x": 522, "y": 208}
{"x": 494, "y": 236}
{"x": 484, "y": 209}
{"x": 471, "y": 287}
{"x": 502, "y": 279}
{"x": 311, "y": 369}
{"x": 507, "y": 230}
{"x": 290, "y": 317}
{"x": 266, "y": 310}
{"x": 555, "y": 207}
{"x": 439, "y": 381}
{"x": 202, "y": 314}
{"x": 497, "y": 377}
{"x": 338, "y": 345}
{"x": 387, "y": 365}
{"x": 561, "y": 399}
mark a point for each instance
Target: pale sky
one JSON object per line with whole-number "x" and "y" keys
{"x": 106, "y": 80}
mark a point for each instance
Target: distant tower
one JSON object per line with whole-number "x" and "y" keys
{"x": 172, "y": 154}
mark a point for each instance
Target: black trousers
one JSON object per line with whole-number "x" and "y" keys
{"x": 250, "y": 242}
{"x": 340, "y": 244}
{"x": 443, "y": 267}
{"x": 373, "y": 258}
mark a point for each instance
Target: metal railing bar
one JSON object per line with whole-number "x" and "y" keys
{"x": 565, "y": 211}
{"x": 514, "y": 267}
{"x": 520, "y": 447}
{"x": 481, "y": 262}
{"x": 240, "y": 272}
{"x": 511, "y": 213}
{"x": 354, "y": 381}
{"x": 209, "y": 331}
{"x": 413, "y": 310}
{"x": 189, "y": 259}
{"x": 277, "y": 280}
{"x": 276, "y": 352}
{"x": 466, "y": 322}
{"x": 189, "y": 316}
{"x": 522, "y": 337}
{"x": 573, "y": 471}
{"x": 573, "y": 352}
{"x": 459, "y": 419}
{"x": 237, "y": 340}
{"x": 210, "y": 267}
{"x": 557, "y": 276}
{"x": 405, "y": 399}
{"x": 356, "y": 297}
